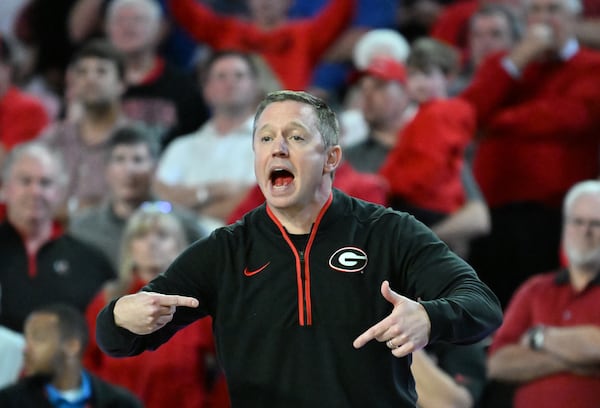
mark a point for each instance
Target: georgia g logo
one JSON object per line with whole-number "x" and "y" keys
{"x": 348, "y": 259}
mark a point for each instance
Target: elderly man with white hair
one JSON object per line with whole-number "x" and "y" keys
{"x": 549, "y": 343}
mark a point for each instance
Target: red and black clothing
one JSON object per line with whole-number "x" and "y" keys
{"x": 285, "y": 317}
{"x": 167, "y": 101}
{"x": 64, "y": 270}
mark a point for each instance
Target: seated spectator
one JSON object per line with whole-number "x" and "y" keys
{"x": 56, "y": 336}
{"x": 130, "y": 164}
{"x": 386, "y": 108}
{"x": 191, "y": 171}
{"x": 40, "y": 263}
{"x": 158, "y": 94}
{"x": 97, "y": 75}
{"x": 291, "y": 48}
{"x": 182, "y": 372}
{"x": 548, "y": 345}
{"x": 22, "y": 117}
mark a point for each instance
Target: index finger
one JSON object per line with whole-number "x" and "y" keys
{"x": 371, "y": 333}
{"x": 177, "y": 300}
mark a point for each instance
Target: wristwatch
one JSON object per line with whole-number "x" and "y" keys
{"x": 536, "y": 337}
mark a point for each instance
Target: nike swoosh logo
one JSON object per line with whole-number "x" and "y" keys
{"x": 254, "y": 272}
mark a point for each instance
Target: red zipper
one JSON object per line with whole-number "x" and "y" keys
{"x": 303, "y": 264}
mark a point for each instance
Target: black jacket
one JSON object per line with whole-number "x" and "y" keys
{"x": 285, "y": 319}
{"x": 30, "y": 392}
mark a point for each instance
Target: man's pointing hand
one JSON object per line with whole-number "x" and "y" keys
{"x": 146, "y": 312}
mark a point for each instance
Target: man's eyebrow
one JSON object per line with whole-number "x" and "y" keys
{"x": 293, "y": 124}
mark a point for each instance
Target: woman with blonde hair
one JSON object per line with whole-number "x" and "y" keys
{"x": 182, "y": 372}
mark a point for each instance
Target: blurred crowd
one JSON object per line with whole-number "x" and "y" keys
{"x": 125, "y": 135}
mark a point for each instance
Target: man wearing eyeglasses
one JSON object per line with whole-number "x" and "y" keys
{"x": 549, "y": 343}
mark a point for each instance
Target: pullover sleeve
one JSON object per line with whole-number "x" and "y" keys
{"x": 489, "y": 89}
{"x": 329, "y": 24}
{"x": 461, "y": 308}
{"x": 202, "y": 23}
{"x": 184, "y": 277}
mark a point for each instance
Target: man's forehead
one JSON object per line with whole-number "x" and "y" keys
{"x": 287, "y": 113}
{"x": 126, "y": 148}
{"x": 94, "y": 60}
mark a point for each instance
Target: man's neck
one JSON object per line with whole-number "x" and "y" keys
{"x": 124, "y": 208}
{"x": 97, "y": 124}
{"x": 386, "y": 137}
{"x": 225, "y": 122}
{"x": 70, "y": 379}
{"x": 301, "y": 219}
{"x": 580, "y": 277}
{"x": 35, "y": 233}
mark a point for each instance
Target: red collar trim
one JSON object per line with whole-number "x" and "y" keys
{"x": 32, "y": 266}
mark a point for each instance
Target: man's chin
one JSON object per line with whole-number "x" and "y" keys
{"x": 584, "y": 259}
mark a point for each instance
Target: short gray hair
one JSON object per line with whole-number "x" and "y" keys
{"x": 327, "y": 122}
{"x": 38, "y": 150}
{"x": 151, "y": 5}
{"x": 587, "y": 187}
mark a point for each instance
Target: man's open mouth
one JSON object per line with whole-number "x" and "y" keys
{"x": 281, "y": 177}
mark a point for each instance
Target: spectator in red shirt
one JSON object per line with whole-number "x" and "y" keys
{"x": 549, "y": 343}
{"x": 291, "y": 48}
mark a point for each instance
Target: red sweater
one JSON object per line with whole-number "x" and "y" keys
{"x": 174, "y": 375}
{"x": 424, "y": 168}
{"x": 22, "y": 118}
{"x": 291, "y": 50}
{"x": 539, "y": 133}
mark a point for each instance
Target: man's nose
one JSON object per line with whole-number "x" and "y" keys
{"x": 280, "y": 147}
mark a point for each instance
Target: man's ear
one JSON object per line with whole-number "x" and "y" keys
{"x": 334, "y": 158}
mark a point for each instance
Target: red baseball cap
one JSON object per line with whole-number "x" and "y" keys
{"x": 383, "y": 67}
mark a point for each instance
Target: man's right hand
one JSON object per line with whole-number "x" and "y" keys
{"x": 146, "y": 312}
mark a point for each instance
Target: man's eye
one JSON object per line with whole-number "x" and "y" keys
{"x": 297, "y": 138}
{"x": 265, "y": 138}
